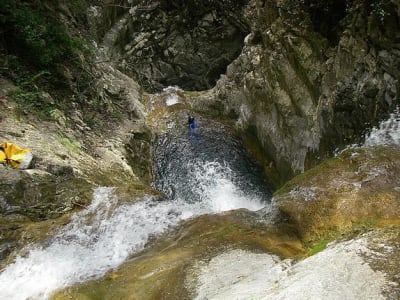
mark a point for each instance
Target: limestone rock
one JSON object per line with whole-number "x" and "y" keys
{"x": 309, "y": 79}
{"x": 356, "y": 190}
{"x": 202, "y": 38}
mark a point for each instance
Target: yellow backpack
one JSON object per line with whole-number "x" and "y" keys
{"x": 15, "y": 156}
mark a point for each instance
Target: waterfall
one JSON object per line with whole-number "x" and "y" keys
{"x": 172, "y": 92}
{"x": 103, "y": 236}
{"x": 388, "y": 132}
{"x": 98, "y": 239}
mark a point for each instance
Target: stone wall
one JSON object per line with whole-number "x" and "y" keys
{"x": 162, "y": 43}
{"x": 306, "y": 84}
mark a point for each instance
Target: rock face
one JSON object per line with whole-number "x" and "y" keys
{"x": 73, "y": 153}
{"x": 355, "y": 190}
{"x": 312, "y": 76}
{"x": 344, "y": 270}
{"x": 184, "y": 43}
{"x": 40, "y": 195}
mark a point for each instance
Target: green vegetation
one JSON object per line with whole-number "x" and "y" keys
{"x": 358, "y": 228}
{"x": 67, "y": 143}
{"x": 33, "y": 31}
{"x": 28, "y": 96}
{"x": 317, "y": 247}
{"x": 39, "y": 45}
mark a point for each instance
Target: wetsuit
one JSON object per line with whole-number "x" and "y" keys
{"x": 192, "y": 124}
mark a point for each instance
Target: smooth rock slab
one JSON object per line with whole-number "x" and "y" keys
{"x": 339, "y": 272}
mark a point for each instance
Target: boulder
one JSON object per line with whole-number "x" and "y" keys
{"x": 309, "y": 79}
{"x": 356, "y": 190}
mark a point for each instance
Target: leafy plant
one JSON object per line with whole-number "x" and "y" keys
{"x": 36, "y": 38}
{"x": 318, "y": 247}
{"x": 34, "y": 32}
{"x": 380, "y": 10}
{"x": 28, "y": 96}
{"x": 68, "y": 143}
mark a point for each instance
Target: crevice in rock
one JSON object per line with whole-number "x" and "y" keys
{"x": 179, "y": 43}
{"x": 326, "y": 17}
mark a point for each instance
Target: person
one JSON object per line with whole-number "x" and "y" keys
{"x": 192, "y": 123}
{"x": 192, "y": 130}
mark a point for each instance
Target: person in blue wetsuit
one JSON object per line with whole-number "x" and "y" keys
{"x": 193, "y": 138}
{"x": 192, "y": 123}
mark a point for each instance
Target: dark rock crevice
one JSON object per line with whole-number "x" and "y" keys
{"x": 326, "y": 17}
{"x": 183, "y": 43}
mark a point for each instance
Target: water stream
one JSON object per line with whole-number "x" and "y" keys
{"x": 203, "y": 172}
{"x": 341, "y": 271}
{"x": 388, "y": 132}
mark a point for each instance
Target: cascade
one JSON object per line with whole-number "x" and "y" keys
{"x": 201, "y": 172}
{"x": 388, "y": 132}
{"x": 204, "y": 174}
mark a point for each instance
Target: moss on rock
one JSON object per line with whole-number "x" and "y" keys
{"x": 354, "y": 191}
{"x": 161, "y": 270}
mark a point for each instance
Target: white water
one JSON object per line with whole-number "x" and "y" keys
{"x": 214, "y": 183}
{"x": 104, "y": 235}
{"x": 171, "y": 100}
{"x": 172, "y": 95}
{"x": 339, "y": 272}
{"x": 388, "y": 132}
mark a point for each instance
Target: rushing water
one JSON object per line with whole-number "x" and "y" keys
{"x": 341, "y": 271}
{"x": 388, "y": 132}
{"x": 207, "y": 163}
{"x": 201, "y": 173}
{"x": 172, "y": 95}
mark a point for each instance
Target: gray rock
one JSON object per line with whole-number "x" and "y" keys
{"x": 194, "y": 29}
{"x": 300, "y": 93}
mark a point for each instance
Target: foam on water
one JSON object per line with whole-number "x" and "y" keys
{"x": 215, "y": 183}
{"x": 104, "y": 235}
{"x": 171, "y": 100}
{"x": 388, "y": 132}
{"x": 172, "y": 95}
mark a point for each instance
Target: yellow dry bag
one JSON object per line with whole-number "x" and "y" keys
{"x": 15, "y": 156}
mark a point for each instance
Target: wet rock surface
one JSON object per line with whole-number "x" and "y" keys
{"x": 184, "y": 43}
{"x": 40, "y": 195}
{"x": 356, "y": 190}
{"x": 160, "y": 271}
{"x": 73, "y": 153}
{"x": 343, "y": 270}
{"x": 309, "y": 78}
{"x": 304, "y": 84}
{"x": 341, "y": 199}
